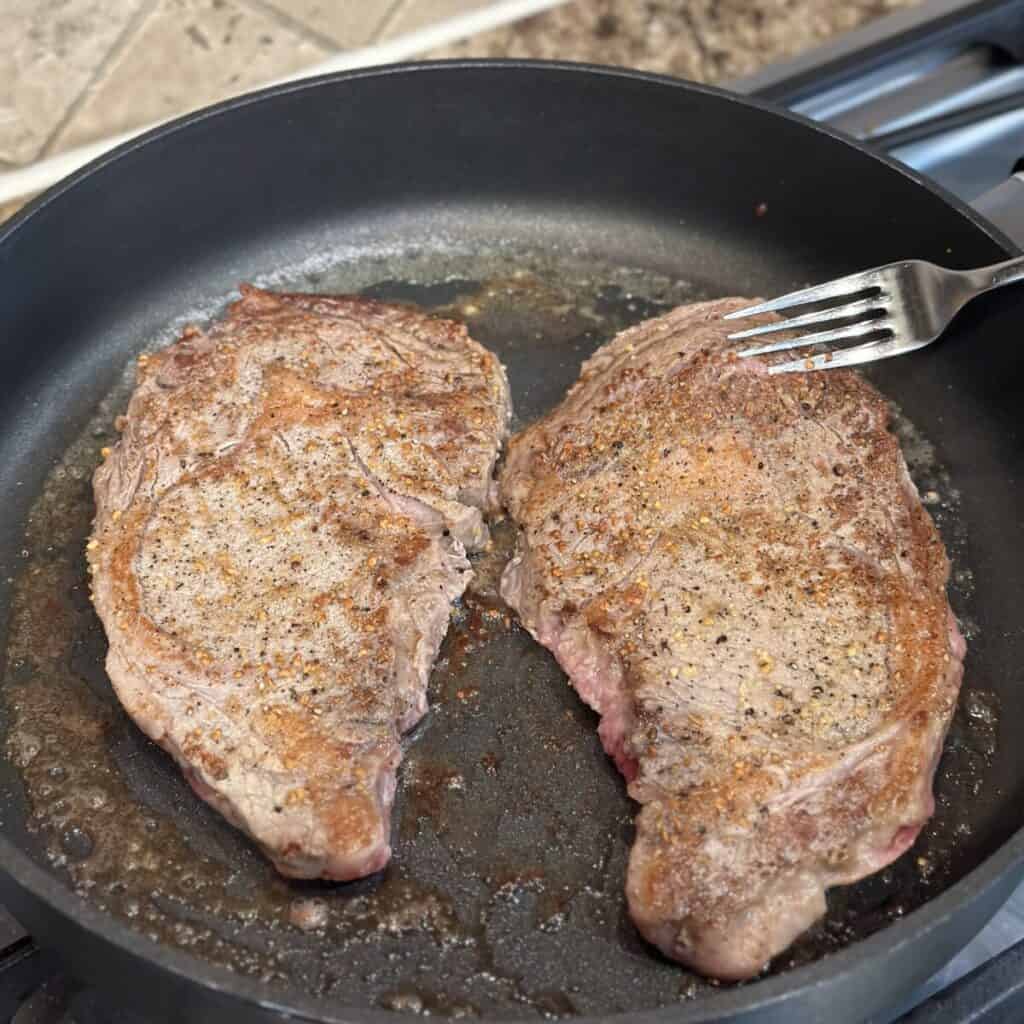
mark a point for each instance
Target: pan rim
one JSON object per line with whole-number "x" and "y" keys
{"x": 61, "y": 900}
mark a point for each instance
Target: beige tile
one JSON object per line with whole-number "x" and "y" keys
{"x": 49, "y": 51}
{"x": 188, "y": 53}
{"x": 8, "y": 210}
{"x": 347, "y": 23}
{"x": 414, "y": 14}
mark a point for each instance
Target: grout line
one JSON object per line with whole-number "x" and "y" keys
{"x": 42, "y": 174}
{"x": 388, "y": 19}
{"x": 120, "y": 44}
{"x": 293, "y": 24}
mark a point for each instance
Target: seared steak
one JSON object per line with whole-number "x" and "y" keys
{"x": 279, "y": 535}
{"x": 735, "y": 571}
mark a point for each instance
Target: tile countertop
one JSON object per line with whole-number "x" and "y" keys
{"x": 76, "y": 71}
{"x": 703, "y": 40}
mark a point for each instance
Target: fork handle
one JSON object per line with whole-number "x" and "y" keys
{"x": 995, "y": 276}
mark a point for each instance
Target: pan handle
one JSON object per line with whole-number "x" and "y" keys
{"x": 1004, "y": 206}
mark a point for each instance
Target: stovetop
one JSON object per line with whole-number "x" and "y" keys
{"x": 941, "y": 88}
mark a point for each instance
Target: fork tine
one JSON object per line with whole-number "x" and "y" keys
{"x": 871, "y": 352}
{"x": 851, "y": 309}
{"x": 840, "y": 288}
{"x": 839, "y": 334}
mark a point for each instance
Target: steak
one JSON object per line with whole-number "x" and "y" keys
{"x": 279, "y": 535}
{"x": 735, "y": 571}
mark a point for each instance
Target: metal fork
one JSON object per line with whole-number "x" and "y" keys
{"x": 908, "y": 304}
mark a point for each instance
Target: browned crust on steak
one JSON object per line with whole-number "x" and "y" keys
{"x": 279, "y": 535}
{"x": 736, "y": 571}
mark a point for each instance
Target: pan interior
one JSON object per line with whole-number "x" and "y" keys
{"x": 511, "y": 828}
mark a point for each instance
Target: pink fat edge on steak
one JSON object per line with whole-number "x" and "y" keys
{"x": 735, "y": 571}
{"x": 279, "y": 535}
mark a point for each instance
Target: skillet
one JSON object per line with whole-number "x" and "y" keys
{"x": 548, "y": 205}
